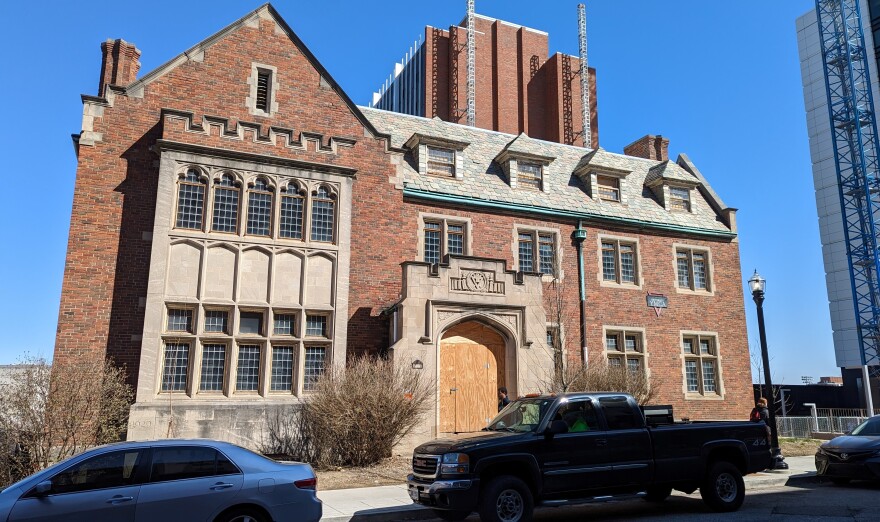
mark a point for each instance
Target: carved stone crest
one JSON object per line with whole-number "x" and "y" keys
{"x": 476, "y": 281}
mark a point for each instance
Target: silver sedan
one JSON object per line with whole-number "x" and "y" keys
{"x": 165, "y": 481}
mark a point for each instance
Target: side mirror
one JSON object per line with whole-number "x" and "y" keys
{"x": 43, "y": 488}
{"x": 555, "y": 428}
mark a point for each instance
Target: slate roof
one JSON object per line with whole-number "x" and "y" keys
{"x": 483, "y": 178}
{"x": 670, "y": 171}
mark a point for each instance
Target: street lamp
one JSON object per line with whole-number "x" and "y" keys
{"x": 757, "y": 284}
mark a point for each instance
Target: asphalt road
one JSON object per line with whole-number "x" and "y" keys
{"x": 802, "y": 503}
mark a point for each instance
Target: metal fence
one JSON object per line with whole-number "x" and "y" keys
{"x": 834, "y": 421}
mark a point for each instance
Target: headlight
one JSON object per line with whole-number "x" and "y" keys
{"x": 821, "y": 450}
{"x": 454, "y": 464}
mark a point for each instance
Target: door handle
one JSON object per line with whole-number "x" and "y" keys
{"x": 118, "y": 499}
{"x": 221, "y": 485}
{"x": 601, "y": 442}
{"x": 453, "y": 389}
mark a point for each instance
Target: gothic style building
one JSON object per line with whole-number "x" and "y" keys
{"x": 239, "y": 225}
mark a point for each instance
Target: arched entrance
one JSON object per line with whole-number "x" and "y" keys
{"x": 472, "y": 368}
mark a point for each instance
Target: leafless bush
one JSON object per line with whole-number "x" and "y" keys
{"x": 601, "y": 377}
{"x": 48, "y": 413}
{"x": 354, "y": 418}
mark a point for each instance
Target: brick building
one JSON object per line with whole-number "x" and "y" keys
{"x": 239, "y": 225}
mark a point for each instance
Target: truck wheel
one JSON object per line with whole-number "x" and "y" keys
{"x": 723, "y": 488}
{"x": 506, "y": 499}
{"x": 658, "y": 494}
{"x": 451, "y": 516}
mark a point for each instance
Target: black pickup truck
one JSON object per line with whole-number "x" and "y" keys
{"x": 572, "y": 448}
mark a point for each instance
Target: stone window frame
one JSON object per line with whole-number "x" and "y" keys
{"x": 297, "y": 189}
{"x": 419, "y": 143}
{"x": 295, "y": 361}
{"x": 315, "y": 342}
{"x": 536, "y": 231}
{"x": 428, "y": 161}
{"x": 615, "y": 188}
{"x": 228, "y": 373}
{"x": 710, "y": 269}
{"x": 274, "y": 86}
{"x": 622, "y": 332}
{"x": 328, "y": 325}
{"x": 618, "y": 240}
{"x": 274, "y": 200}
{"x": 590, "y": 176}
{"x": 673, "y": 206}
{"x": 294, "y": 327}
{"x": 262, "y": 364}
{"x": 205, "y": 181}
{"x": 193, "y": 320}
{"x": 534, "y": 183}
{"x": 444, "y": 220}
{"x": 238, "y": 184}
{"x": 165, "y": 340}
{"x": 333, "y": 196}
{"x": 717, "y": 357}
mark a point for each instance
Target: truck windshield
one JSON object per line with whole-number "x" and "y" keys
{"x": 521, "y": 415}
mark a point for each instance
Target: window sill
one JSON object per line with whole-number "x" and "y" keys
{"x": 694, "y": 396}
{"x": 623, "y": 286}
{"x": 688, "y": 291}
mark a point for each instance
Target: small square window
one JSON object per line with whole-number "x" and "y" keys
{"x": 284, "y": 324}
{"x": 609, "y": 188}
{"x": 217, "y": 321}
{"x": 529, "y": 175}
{"x": 316, "y": 325}
{"x": 179, "y": 320}
{"x": 441, "y": 162}
{"x": 251, "y": 323}
{"x": 679, "y": 199}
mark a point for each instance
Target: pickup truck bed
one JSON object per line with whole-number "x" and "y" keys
{"x": 554, "y": 450}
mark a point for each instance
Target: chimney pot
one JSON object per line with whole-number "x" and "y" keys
{"x": 649, "y": 147}
{"x": 119, "y": 65}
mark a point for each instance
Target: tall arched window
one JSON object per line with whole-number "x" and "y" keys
{"x": 225, "y": 205}
{"x": 292, "y": 209}
{"x": 259, "y": 213}
{"x": 190, "y": 201}
{"x": 323, "y": 209}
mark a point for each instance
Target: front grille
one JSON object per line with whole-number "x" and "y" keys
{"x": 425, "y": 466}
{"x": 855, "y": 456}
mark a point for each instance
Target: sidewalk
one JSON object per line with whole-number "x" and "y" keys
{"x": 387, "y": 503}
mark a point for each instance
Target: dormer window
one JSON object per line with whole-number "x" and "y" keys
{"x": 441, "y": 162}
{"x": 608, "y": 188}
{"x": 679, "y": 199}
{"x": 530, "y": 175}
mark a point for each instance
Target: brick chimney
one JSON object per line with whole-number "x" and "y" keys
{"x": 649, "y": 147}
{"x": 119, "y": 65}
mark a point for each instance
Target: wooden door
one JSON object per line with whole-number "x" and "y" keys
{"x": 471, "y": 370}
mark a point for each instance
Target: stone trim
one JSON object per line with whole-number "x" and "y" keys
{"x": 719, "y": 372}
{"x": 445, "y": 219}
{"x": 709, "y": 264}
{"x": 643, "y": 334}
{"x": 557, "y": 248}
{"x": 638, "y": 262}
{"x": 251, "y": 100}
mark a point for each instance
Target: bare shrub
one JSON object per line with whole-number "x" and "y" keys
{"x": 49, "y": 413}
{"x": 354, "y": 418}
{"x": 607, "y": 378}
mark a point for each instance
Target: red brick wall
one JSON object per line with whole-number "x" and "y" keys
{"x": 722, "y": 313}
{"x": 108, "y": 257}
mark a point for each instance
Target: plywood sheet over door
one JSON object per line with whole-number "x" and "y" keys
{"x": 471, "y": 370}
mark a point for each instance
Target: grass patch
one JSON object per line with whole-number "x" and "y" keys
{"x": 792, "y": 447}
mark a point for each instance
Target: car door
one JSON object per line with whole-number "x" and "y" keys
{"x": 577, "y": 460}
{"x": 187, "y": 483}
{"x": 629, "y": 443}
{"x": 102, "y": 487}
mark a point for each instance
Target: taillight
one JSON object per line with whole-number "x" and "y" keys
{"x": 309, "y": 483}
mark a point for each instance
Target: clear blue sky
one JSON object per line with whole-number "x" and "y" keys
{"x": 720, "y": 79}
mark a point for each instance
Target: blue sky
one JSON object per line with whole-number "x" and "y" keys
{"x": 720, "y": 79}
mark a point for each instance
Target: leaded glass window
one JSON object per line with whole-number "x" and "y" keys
{"x": 226, "y": 196}
{"x": 213, "y": 367}
{"x": 633, "y": 364}
{"x": 248, "y": 374}
{"x": 259, "y": 215}
{"x": 314, "y": 362}
{"x": 316, "y": 326}
{"x": 625, "y": 348}
{"x": 529, "y": 175}
{"x": 455, "y": 239}
{"x": 611, "y": 342}
{"x": 692, "y": 268}
{"x": 545, "y": 254}
{"x": 701, "y": 364}
{"x": 699, "y": 270}
{"x": 282, "y": 369}
{"x": 709, "y": 376}
{"x": 684, "y": 269}
{"x": 609, "y": 188}
{"x": 679, "y": 199}
{"x": 627, "y": 264}
{"x": 690, "y": 370}
{"x": 284, "y": 324}
{"x": 190, "y": 201}
{"x": 619, "y": 262}
{"x": 175, "y": 367}
{"x": 292, "y": 208}
{"x": 323, "y": 210}
{"x": 217, "y": 321}
{"x": 433, "y": 232}
{"x": 609, "y": 262}
{"x": 441, "y": 162}
{"x": 179, "y": 320}
{"x": 526, "y": 252}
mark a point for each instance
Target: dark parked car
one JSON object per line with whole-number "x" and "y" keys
{"x": 165, "y": 481}
{"x": 855, "y": 455}
{"x": 575, "y": 447}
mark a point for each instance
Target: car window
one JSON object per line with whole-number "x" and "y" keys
{"x": 108, "y": 470}
{"x": 521, "y": 415}
{"x": 186, "y": 462}
{"x": 579, "y": 416}
{"x": 869, "y": 428}
{"x": 619, "y": 414}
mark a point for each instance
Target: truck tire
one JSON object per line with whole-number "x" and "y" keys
{"x": 451, "y": 515}
{"x": 723, "y": 488}
{"x": 658, "y": 493}
{"x": 506, "y": 499}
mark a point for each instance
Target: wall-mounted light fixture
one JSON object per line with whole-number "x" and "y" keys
{"x": 417, "y": 364}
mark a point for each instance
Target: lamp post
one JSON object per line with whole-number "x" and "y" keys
{"x": 757, "y": 284}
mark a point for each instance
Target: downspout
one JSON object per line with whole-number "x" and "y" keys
{"x": 578, "y": 236}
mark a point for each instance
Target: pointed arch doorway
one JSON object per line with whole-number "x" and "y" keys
{"x": 472, "y": 368}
